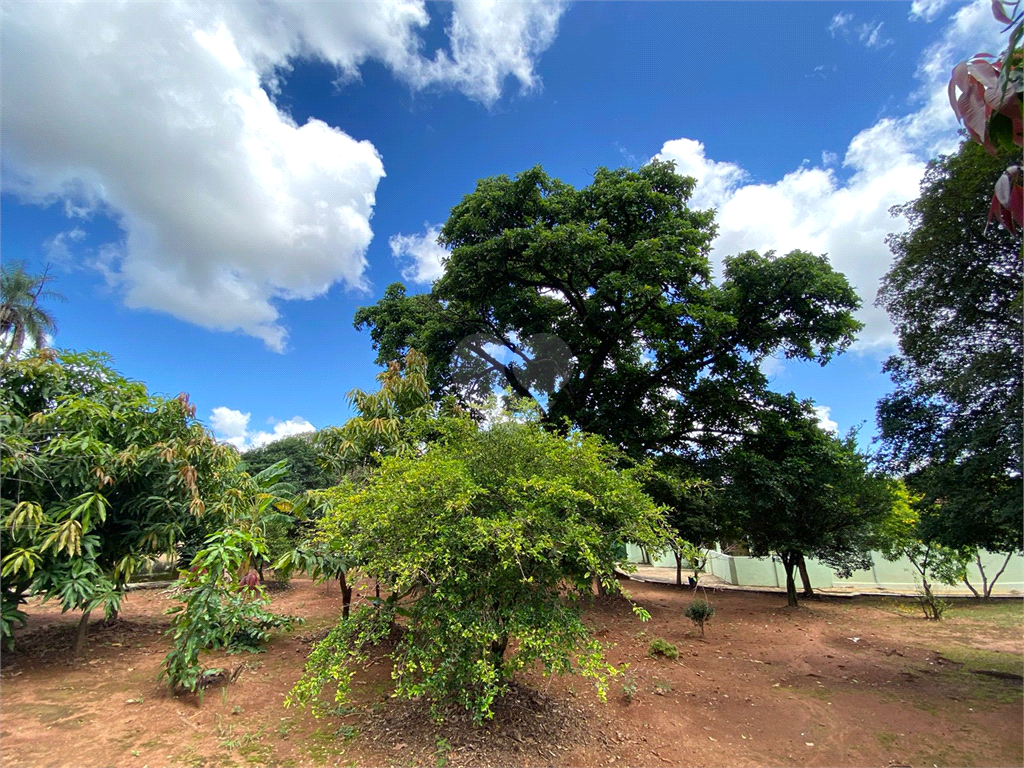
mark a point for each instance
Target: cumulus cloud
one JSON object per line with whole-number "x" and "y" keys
{"x": 232, "y": 427}
{"x": 822, "y": 413}
{"x": 158, "y": 115}
{"x": 716, "y": 181}
{"x": 423, "y": 257}
{"x": 812, "y": 208}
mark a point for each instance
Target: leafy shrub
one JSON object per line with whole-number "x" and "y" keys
{"x": 663, "y": 647}
{"x": 488, "y": 536}
{"x": 699, "y": 611}
{"x": 220, "y": 611}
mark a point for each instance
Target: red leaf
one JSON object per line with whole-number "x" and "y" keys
{"x": 999, "y": 12}
{"x": 958, "y": 80}
{"x": 1017, "y": 205}
{"x": 974, "y": 113}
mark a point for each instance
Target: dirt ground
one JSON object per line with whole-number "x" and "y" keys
{"x": 838, "y": 682}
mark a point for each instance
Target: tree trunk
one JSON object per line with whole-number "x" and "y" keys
{"x": 789, "y": 559}
{"x": 83, "y": 627}
{"x": 498, "y": 651}
{"x": 679, "y": 568}
{"x": 928, "y": 602}
{"x": 989, "y": 586}
{"x": 970, "y": 586}
{"x": 346, "y": 595}
{"x": 808, "y": 590}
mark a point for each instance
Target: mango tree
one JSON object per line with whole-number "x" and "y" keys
{"x": 97, "y": 478}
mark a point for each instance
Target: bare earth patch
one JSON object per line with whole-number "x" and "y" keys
{"x": 843, "y": 682}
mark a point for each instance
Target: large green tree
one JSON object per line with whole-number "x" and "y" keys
{"x": 97, "y": 476}
{"x": 954, "y": 421}
{"x": 22, "y": 318}
{"x": 303, "y": 470}
{"x": 599, "y": 302}
{"x": 796, "y": 491}
{"x": 493, "y": 539}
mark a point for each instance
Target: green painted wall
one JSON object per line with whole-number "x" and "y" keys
{"x": 899, "y": 576}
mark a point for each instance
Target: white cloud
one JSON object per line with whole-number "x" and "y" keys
{"x": 491, "y": 41}
{"x": 716, "y": 181}
{"x": 58, "y": 247}
{"x": 839, "y": 22}
{"x": 812, "y": 208}
{"x": 154, "y": 114}
{"x": 927, "y": 10}
{"x": 871, "y": 35}
{"x": 772, "y": 366}
{"x": 868, "y": 33}
{"x": 422, "y": 255}
{"x": 822, "y": 413}
{"x": 232, "y": 427}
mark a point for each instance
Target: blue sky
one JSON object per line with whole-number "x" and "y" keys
{"x": 217, "y": 187}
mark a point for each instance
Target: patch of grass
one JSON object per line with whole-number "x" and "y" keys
{"x": 258, "y": 754}
{"x": 230, "y": 740}
{"x": 662, "y": 685}
{"x": 189, "y": 758}
{"x": 660, "y": 646}
{"x": 821, "y": 692}
{"x": 1002, "y": 613}
{"x": 977, "y": 658}
{"x": 983, "y": 689}
{"x": 321, "y": 746}
{"x": 885, "y": 738}
{"x": 285, "y": 726}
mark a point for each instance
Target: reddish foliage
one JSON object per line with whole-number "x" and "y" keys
{"x": 989, "y": 105}
{"x": 251, "y": 580}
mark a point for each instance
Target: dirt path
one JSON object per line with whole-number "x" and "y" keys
{"x": 836, "y": 682}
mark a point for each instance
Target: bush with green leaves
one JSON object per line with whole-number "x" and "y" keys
{"x": 662, "y": 647}
{"x": 700, "y": 611}
{"x": 221, "y": 609}
{"x": 97, "y": 477}
{"x": 490, "y": 536}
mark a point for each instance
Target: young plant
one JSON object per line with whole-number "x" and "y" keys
{"x": 220, "y": 611}
{"x": 700, "y": 611}
{"x": 629, "y": 688}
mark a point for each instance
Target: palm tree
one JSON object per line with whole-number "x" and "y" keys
{"x": 21, "y": 317}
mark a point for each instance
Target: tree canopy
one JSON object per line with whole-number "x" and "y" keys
{"x": 954, "y": 421}
{"x": 795, "y": 490}
{"x": 603, "y": 299}
{"x": 96, "y": 477}
{"x": 303, "y": 470}
{"x": 489, "y": 536}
